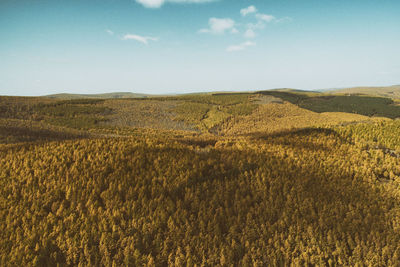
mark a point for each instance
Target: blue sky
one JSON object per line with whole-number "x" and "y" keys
{"x": 182, "y": 46}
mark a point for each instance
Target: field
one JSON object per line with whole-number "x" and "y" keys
{"x": 270, "y": 178}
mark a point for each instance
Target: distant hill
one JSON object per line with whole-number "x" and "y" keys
{"x": 106, "y": 95}
{"x": 388, "y": 91}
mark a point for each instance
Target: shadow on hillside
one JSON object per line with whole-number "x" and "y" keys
{"x": 196, "y": 142}
{"x": 231, "y": 196}
{"x": 305, "y": 138}
{"x": 358, "y": 104}
{"x": 17, "y": 134}
{"x": 326, "y": 202}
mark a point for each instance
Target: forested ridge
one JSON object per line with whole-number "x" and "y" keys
{"x": 316, "y": 193}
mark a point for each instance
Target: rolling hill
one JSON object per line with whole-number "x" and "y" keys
{"x": 270, "y": 178}
{"x": 101, "y": 96}
{"x": 388, "y": 91}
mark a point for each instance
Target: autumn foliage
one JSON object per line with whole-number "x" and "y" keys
{"x": 115, "y": 195}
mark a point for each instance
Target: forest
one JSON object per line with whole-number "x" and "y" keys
{"x": 269, "y": 178}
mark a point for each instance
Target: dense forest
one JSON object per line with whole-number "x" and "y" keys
{"x": 199, "y": 180}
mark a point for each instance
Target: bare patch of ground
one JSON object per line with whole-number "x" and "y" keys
{"x": 154, "y": 114}
{"x": 266, "y": 99}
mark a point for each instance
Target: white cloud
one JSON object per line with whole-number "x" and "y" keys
{"x": 284, "y": 19}
{"x": 190, "y": 1}
{"x": 110, "y": 32}
{"x": 262, "y": 19}
{"x": 248, "y": 10}
{"x": 220, "y": 26}
{"x": 142, "y": 39}
{"x": 234, "y": 31}
{"x": 249, "y": 33}
{"x": 151, "y": 3}
{"x": 256, "y": 26}
{"x": 240, "y": 47}
{"x": 265, "y": 17}
{"x": 159, "y": 3}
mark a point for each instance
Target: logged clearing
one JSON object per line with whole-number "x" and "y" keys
{"x": 153, "y": 114}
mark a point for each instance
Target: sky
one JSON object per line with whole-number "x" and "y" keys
{"x": 185, "y": 46}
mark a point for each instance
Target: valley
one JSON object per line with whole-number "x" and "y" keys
{"x": 281, "y": 177}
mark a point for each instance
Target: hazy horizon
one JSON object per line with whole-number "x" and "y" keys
{"x": 198, "y": 92}
{"x": 186, "y": 46}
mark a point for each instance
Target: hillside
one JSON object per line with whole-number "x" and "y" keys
{"x": 389, "y": 91}
{"x": 368, "y": 105}
{"x": 269, "y": 178}
{"x": 102, "y": 96}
